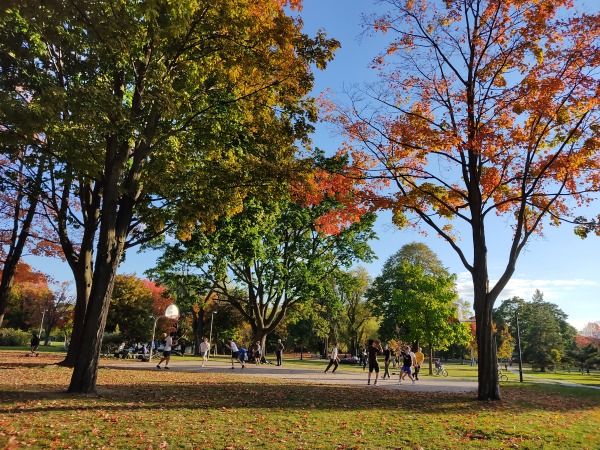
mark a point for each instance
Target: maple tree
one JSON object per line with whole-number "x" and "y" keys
{"x": 131, "y": 309}
{"x": 163, "y": 115}
{"x": 486, "y": 108}
{"x": 28, "y": 299}
{"x": 20, "y": 227}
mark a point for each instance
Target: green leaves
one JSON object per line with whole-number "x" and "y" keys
{"x": 416, "y": 297}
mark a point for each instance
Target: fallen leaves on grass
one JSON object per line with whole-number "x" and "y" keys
{"x": 152, "y": 409}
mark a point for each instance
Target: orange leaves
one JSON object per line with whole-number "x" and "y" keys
{"x": 508, "y": 127}
{"x": 342, "y": 187}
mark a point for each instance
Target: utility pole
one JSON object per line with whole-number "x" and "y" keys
{"x": 519, "y": 348}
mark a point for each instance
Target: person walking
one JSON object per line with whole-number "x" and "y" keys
{"x": 279, "y": 352}
{"x": 387, "y": 358}
{"x": 167, "y": 350}
{"x": 372, "y": 351}
{"x": 235, "y": 353}
{"x": 419, "y": 358}
{"x": 35, "y": 343}
{"x": 204, "y": 349}
{"x": 408, "y": 360}
{"x": 364, "y": 357}
{"x": 333, "y": 358}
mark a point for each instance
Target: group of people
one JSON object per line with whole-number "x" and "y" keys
{"x": 411, "y": 361}
{"x": 239, "y": 354}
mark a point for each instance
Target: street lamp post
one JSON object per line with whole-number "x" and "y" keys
{"x": 211, "y": 328}
{"x": 42, "y": 323}
{"x": 519, "y": 348}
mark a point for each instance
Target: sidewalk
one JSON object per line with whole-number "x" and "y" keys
{"x": 534, "y": 379}
{"x": 306, "y": 375}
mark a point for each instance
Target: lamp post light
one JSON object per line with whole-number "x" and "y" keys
{"x": 42, "y": 323}
{"x": 172, "y": 312}
{"x": 212, "y": 316}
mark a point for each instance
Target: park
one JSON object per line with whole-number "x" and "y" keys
{"x": 170, "y": 202}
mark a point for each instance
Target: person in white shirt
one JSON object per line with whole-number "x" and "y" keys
{"x": 333, "y": 358}
{"x": 167, "y": 350}
{"x": 257, "y": 352}
{"x": 204, "y": 349}
{"x": 235, "y": 353}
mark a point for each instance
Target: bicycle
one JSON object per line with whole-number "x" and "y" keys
{"x": 440, "y": 371}
{"x": 502, "y": 376}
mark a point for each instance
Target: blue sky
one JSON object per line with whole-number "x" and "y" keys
{"x": 561, "y": 265}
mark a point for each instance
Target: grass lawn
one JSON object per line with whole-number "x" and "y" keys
{"x": 153, "y": 409}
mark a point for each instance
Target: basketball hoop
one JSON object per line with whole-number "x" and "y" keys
{"x": 172, "y": 312}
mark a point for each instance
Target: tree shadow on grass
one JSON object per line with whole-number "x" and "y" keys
{"x": 30, "y": 388}
{"x": 264, "y": 394}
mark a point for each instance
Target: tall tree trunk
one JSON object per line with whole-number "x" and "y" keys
{"x": 83, "y": 274}
{"x": 116, "y": 215}
{"x": 85, "y": 370}
{"x": 79, "y": 257}
{"x": 487, "y": 362}
{"x": 198, "y": 328}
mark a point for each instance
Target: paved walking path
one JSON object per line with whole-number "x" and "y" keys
{"x": 536, "y": 379}
{"x": 303, "y": 374}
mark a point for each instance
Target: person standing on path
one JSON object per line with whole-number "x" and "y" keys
{"x": 279, "y": 352}
{"x": 373, "y": 349}
{"x": 387, "y": 358}
{"x": 419, "y": 358}
{"x": 333, "y": 358}
{"x": 257, "y": 352}
{"x": 204, "y": 349}
{"x": 235, "y": 353}
{"x": 167, "y": 350}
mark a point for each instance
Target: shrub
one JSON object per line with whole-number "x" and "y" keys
{"x": 111, "y": 341}
{"x": 14, "y": 338}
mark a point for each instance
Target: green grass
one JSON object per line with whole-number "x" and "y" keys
{"x": 593, "y": 379}
{"x": 161, "y": 409}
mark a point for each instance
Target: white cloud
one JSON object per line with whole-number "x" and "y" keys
{"x": 578, "y": 298}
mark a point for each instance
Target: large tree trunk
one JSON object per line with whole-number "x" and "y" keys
{"x": 85, "y": 371}
{"x": 198, "y": 328}
{"x": 81, "y": 261}
{"x": 487, "y": 366}
{"x": 116, "y": 214}
{"x": 83, "y": 284}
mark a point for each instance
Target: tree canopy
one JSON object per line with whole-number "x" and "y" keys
{"x": 269, "y": 257}
{"x": 417, "y": 301}
{"x": 156, "y": 116}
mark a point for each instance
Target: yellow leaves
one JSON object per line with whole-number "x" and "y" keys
{"x": 499, "y": 81}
